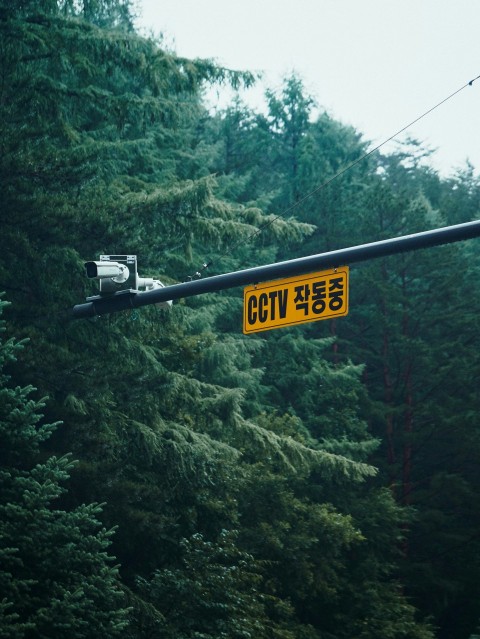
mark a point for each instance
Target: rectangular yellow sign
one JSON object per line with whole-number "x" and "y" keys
{"x": 295, "y": 300}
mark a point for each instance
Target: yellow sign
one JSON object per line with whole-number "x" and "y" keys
{"x": 295, "y": 300}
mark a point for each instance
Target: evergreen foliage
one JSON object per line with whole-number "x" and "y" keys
{"x": 316, "y": 482}
{"x": 56, "y": 577}
{"x": 215, "y": 592}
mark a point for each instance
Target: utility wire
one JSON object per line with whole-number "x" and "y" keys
{"x": 323, "y": 185}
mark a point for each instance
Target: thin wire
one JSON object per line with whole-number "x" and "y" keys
{"x": 323, "y": 185}
{"x": 376, "y": 148}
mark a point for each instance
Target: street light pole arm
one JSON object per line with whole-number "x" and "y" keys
{"x": 299, "y": 266}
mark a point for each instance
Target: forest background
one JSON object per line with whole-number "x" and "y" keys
{"x": 163, "y": 475}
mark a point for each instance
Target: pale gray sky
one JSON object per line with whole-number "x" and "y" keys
{"x": 374, "y": 64}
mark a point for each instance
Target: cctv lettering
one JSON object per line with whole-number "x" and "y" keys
{"x": 267, "y": 306}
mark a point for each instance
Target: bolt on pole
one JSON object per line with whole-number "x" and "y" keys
{"x": 129, "y": 300}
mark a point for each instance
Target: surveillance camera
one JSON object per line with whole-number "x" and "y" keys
{"x": 117, "y": 275}
{"x": 101, "y": 270}
{"x": 150, "y": 284}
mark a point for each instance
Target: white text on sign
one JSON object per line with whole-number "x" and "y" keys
{"x": 295, "y": 300}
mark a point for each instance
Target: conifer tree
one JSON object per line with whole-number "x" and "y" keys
{"x": 215, "y": 591}
{"x": 413, "y": 325}
{"x": 183, "y": 426}
{"x": 288, "y": 117}
{"x": 406, "y": 319}
{"x": 56, "y": 577}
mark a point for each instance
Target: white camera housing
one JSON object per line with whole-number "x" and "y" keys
{"x": 149, "y": 284}
{"x": 118, "y": 274}
{"x": 115, "y": 271}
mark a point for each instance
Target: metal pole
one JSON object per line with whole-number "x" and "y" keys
{"x": 298, "y": 266}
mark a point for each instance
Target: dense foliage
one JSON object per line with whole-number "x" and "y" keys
{"x": 310, "y": 483}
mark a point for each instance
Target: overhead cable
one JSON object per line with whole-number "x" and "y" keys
{"x": 326, "y": 183}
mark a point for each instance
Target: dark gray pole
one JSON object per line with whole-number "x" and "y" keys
{"x": 300, "y": 266}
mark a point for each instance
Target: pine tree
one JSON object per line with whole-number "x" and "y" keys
{"x": 215, "y": 591}
{"x": 414, "y": 325}
{"x": 184, "y": 427}
{"x": 288, "y": 117}
{"x": 56, "y": 577}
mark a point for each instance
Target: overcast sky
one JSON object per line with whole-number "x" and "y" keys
{"x": 374, "y": 64}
